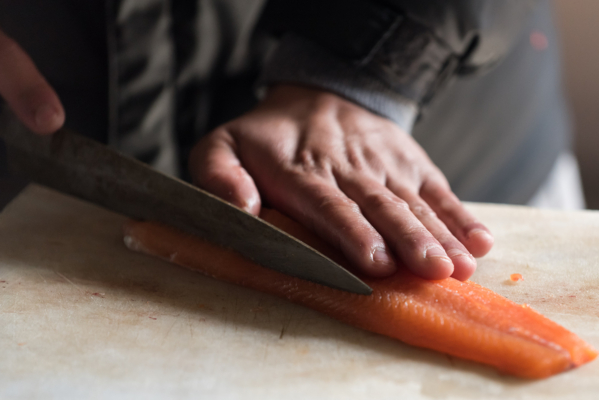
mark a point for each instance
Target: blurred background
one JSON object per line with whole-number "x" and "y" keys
{"x": 578, "y": 21}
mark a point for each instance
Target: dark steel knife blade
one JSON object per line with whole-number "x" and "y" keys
{"x": 79, "y": 166}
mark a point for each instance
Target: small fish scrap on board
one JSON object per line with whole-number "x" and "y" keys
{"x": 462, "y": 319}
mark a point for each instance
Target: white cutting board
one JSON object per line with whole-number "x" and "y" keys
{"x": 81, "y": 317}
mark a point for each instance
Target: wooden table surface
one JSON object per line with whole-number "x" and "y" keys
{"x": 81, "y": 317}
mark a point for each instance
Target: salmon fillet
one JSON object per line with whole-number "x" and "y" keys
{"x": 462, "y": 319}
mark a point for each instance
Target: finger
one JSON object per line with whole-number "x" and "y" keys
{"x": 464, "y": 263}
{"x": 408, "y": 237}
{"x": 318, "y": 204}
{"x": 215, "y": 167}
{"x": 26, "y": 91}
{"x": 464, "y": 226}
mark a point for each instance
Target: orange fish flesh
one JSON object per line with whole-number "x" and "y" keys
{"x": 462, "y": 319}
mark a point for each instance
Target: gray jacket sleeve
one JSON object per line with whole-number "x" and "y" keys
{"x": 390, "y": 56}
{"x": 300, "y": 61}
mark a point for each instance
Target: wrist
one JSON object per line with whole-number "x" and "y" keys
{"x": 298, "y": 61}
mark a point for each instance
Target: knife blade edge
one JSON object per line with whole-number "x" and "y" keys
{"x": 79, "y": 166}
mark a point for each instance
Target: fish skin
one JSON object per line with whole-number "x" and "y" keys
{"x": 462, "y": 319}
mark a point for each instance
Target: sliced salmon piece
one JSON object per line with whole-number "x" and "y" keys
{"x": 462, "y": 319}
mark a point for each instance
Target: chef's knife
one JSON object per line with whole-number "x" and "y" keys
{"x": 79, "y": 166}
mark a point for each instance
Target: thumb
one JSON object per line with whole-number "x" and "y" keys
{"x": 215, "y": 167}
{"x": 26, "y": 91}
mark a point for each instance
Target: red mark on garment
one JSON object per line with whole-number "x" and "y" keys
{"x": 516, "y": 277}
{"x": 538, "y": 40}
{"x": 99, "y": 294}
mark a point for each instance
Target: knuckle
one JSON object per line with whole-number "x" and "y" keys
{"x": 306, "y": 159}
{"x": 354, "y": 157}
{"x": 360, "y": 237}
{"x": 413, "y": 238}
{"x": 333, "y": 203}
{"x": 311, "y": 162}
{"x": 363, "y": 248}
{"x": 344, "y": 220}
{"x": 383, "y": 201}
{"x": 422, "y": 211}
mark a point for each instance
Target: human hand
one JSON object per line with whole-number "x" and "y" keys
{"x": 354, "y": 178}
{"x": 26, "y": 91}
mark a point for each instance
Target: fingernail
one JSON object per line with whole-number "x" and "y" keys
{"x": 436, "y": 252}
{"x": 479, "y": 232}
{"x": 381, "y": 256}
{"x": 46, "y": 116}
